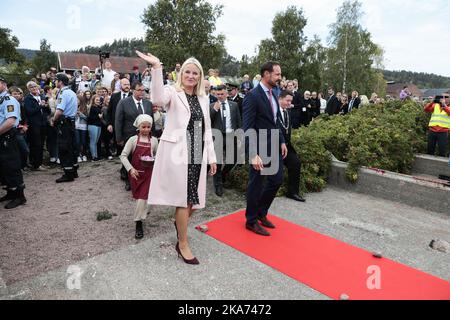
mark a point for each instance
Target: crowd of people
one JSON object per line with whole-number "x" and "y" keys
{"x": 103, "y": 114}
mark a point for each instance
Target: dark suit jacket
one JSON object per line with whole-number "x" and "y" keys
{"x": 356, "y": 104}
{"x": 239, "y": 102}
{"x": 333, "y": 106}
{"x": 36, "y": 115}
{"x": 286, "y": 131}
{"x": 216, "y": 117}
{"x": 258, "y": 115}
{"x": 112, "y": 107}
{"x": 126, "y": 114}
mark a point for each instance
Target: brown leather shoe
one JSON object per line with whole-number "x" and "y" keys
{"x": 266, "y": 223}
{"x": 256, "y": 228}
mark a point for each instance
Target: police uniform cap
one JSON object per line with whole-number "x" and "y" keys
{"x": 63, "y": 78}
{"x": 2, "y": 79}
{"x": 232, "y": 86}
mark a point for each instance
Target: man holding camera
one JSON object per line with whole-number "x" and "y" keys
{"x": 439, "y": 124}
{"x": 37, "y": 111}
{"x": 64, "y": 121}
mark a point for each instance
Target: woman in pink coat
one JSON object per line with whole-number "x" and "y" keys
{"x": 186, "y": 147}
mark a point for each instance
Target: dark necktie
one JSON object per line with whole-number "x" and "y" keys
{"x": 285, "y": 117}
{"x": 140, "y": 108}
{"x": 224, "y": 116}
{"x": 124, "y": 96}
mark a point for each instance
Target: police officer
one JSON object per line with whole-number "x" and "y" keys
{"x": 10, "y": 164}
{"x": 64, "y": 121}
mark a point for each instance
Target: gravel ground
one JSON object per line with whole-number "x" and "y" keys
{"x": 58, "y": 226}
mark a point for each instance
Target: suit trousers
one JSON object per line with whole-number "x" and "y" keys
{"x": 260, "y": 195}
{"x": 224, "y": 169}
{"x": 36, "y": 137}
{"x": 293, "y": 165}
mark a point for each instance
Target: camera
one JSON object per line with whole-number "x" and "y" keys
{"x": 103, "y": 55}
{"x": 86, "y": 85}
{"x": 438, "y": 99}
{"x": 102, "y": 100}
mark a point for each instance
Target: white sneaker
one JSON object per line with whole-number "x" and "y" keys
{"x": 84, "y": 159}
{"x": 53, "y": 160}
{"x": 110, "y": 158}
{"x": 57, "y": 161}
{"x": 80, "y": 159}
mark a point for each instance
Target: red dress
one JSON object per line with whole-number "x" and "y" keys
{"x": 141, "y": 186}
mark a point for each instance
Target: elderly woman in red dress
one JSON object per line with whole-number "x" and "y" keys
{"x": 186, "y": 146}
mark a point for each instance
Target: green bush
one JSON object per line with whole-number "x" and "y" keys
{"x": 384, "y": 136}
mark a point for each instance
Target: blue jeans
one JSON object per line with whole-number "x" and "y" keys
{"x": 94, "y": 135}
{"x": 80, "y": 137}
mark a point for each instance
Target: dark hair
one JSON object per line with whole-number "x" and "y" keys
{"x": 221, "y": 87}
{"x": 136, "y": 84}
{"x": 268, "y": 66}
{"x": 286, "y": 93}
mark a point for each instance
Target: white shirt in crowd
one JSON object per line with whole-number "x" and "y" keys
{"x": 323, "y": 105}
{"x": 84, "y": 86}
{"x": 108, "y": 77}
{"x": 229, "y": 128}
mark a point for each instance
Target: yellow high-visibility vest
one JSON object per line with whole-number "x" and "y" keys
{"x": 439, "y": 118}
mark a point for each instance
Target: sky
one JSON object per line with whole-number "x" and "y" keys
{"x": 414, "y": 34}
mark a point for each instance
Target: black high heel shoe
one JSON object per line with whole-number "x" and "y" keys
{"x": 192, "y": 261}
{"x": 175, "y": 224}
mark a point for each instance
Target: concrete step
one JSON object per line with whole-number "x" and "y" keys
{"x": 422, "y": 191}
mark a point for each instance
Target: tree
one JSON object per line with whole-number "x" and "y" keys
{"x": 286, "y": 45}
{"x": 351, "y": 53}
{"x": 44, "y": 59}
{"x": 122, "y": 47}
{"x": 313, "y": 67}
{"x": 179, "y": 29}
{"x": 8, "y": 47}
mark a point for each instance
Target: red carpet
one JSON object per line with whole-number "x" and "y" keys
{"x": 327, "y": 265}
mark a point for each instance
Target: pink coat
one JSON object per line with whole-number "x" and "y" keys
{"x": 169, "y": 181}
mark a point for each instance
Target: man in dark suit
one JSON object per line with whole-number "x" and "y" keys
{"x": 354, "y": 102}
{"x": 127, "y": 111}
{"x": 112, "y": 107}
{"x": 292, "y": 161}
{"x": 225, "y": 116}
{"x": 296, "y": 111}
{"x": 37, "y": 110}
{"x": 333, "y": 104}
{"x": 260, "y": 113}
{"x": 233, "y": 95}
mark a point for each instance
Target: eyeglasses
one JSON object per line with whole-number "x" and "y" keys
{"x": 446, "y": 97}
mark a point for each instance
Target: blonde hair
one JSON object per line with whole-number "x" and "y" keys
{"x": 199, "y": 90}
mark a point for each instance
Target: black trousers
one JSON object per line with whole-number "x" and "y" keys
{"x": 439, "y": 138}
{"x": 36, "y": 137}
{"x": 224, "y": 168}
{"x": 293, "y": 165}
{"x": 259, "y": 195}
{"x": 10, "y": 164}
{"x": 67, "y": 145}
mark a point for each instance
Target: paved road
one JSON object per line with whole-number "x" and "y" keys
{"x": 151, "y": 269}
